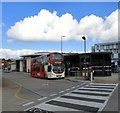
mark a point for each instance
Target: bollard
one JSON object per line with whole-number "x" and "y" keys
{"x": 91, "y": 76}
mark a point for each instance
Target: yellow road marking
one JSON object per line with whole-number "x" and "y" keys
{"x": 17, "y": 95}
{"x": 19, "y": 89}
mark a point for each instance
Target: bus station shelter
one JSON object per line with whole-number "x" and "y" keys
{"x": 99, "y": 61}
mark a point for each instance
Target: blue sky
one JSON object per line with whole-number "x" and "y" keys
{"x": 14, "y": 12}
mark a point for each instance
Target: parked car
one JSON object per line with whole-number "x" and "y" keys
{"x": 7, "y": 70}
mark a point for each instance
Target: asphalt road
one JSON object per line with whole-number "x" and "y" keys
{"x": 20, "y": 91}
{"x": 22, "y": 88}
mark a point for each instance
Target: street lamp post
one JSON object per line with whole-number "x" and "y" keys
{"x": 61, "y": 43}
{"x": 83, "y": 37}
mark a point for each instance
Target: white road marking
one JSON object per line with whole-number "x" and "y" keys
{"x": 28, "y": 103}
{"x": 79, "y": 102}
{"x": 49, "y": 107}
{"x": 95, "y": 89}
{"x": 87, "y": 96}
{"x": 61, "y": 91}
{"x": 86, "y": 91}
{"x": 53, "y": 95}
{"x": 42, "y": 98}
{"x": 53, "y": 107}
{"x": 67, "y": 89}
{"x": 102, "y": 84}
{"x": 77, "y": 85}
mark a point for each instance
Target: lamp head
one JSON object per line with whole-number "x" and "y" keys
{"x": 83, "y": 37}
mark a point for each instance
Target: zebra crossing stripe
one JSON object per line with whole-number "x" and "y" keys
{"x": 105, "y": 84}
{"x": 98, "y": 90}
{"x": 52, "y": 107}
{"x": 83, "y": 98}
{"x": 74, "y": 106}
{"x": 102, "y": 87}
{"x": 88, "y": 87}
{"x": 78, "y": 102}
{"x": 89, "y": 98}
{"x": 87, "y": 93}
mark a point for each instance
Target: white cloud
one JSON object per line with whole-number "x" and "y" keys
{"x": 9, "y": 41}
{"x": 15, "y": 54}
{"x": 48, "y": 26}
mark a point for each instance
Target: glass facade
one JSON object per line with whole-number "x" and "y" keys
{"x": 113, "y": 47}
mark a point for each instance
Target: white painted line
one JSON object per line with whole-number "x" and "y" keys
{"x": 102, "y": 84}
{"x": 53, "y": 95}
{"x": 77, "y": 85}
{"x": 61, "y": 91}
{"x": 95, "y": 89}
{"x": 28, "y": 103}
{"x": 42, "y": 98}
{"x": 79, "y": 102}
{"x": 72, "y": 87}
{"x": 96, "y": 92}
{"x": 49, "y": 107}
{"x": 67, "y": 89}
{"x": 87, "y": 96}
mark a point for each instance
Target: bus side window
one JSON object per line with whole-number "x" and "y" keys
{"x": 48, "y": 57}
{"x": 42, "y": 68}
{"x": 49, "y": 68}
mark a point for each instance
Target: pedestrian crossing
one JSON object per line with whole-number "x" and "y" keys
{"x": 89, "y": 98}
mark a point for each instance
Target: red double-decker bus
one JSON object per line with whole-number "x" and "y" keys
{"x": 48, "y": 66}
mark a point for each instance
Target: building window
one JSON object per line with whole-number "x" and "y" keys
{"x": 97, "y": 47}
{"x": 102, "y": 47}
{"x": 112, "y": 50}
{"x": 112, "y": 55}
{"x": 114, "y": 46}
{"x": 115, "y": 51}
{"x": 111, "y": 46}
{"x": 118, "y": 45}
{"x": 119, "y": 55}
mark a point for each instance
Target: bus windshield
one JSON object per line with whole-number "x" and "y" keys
{"x": 58, "y": 69}
{"x": 57, "y": 56}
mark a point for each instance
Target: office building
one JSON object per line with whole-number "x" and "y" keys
{"x": 113, "y": 47}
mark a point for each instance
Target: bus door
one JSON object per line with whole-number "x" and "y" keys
{"x": 42, "y": 71}
{"x": 49, "y": 69}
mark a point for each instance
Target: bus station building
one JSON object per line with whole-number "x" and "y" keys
{"x": 74, "y": 62}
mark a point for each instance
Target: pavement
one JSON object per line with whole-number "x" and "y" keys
{"x": 114, "y": 78}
